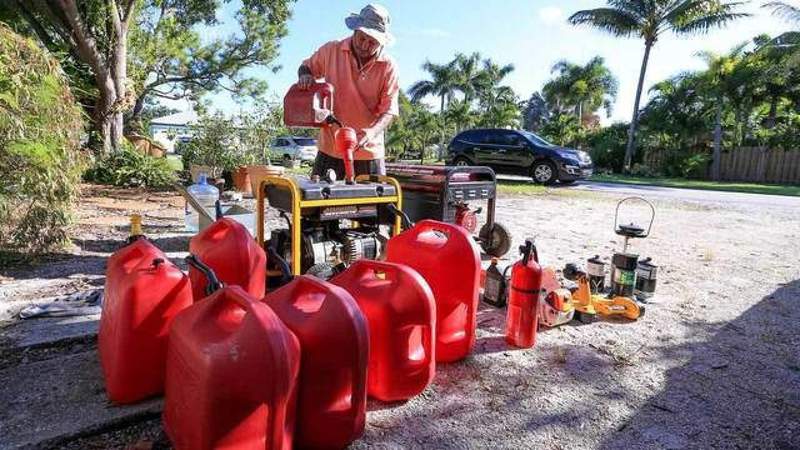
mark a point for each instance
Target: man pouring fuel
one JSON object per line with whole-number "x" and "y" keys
{"x": 366, "y": 90}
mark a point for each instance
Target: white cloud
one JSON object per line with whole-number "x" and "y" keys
{"x": 551, "y": 14}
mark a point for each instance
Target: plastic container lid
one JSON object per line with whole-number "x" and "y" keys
{"x": 205, "y": 193}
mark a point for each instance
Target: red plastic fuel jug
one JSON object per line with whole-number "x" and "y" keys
{"x": 334, "y": 343}
{"x": 524, "y": 296}
{"x": 143, "y": 293}
{"x": 401, "y": 315}
{"x": 233, "y": 254}
{"x": 448, "y": 259}
{"x": 232, "y": 371}
{"x": 308, "y": 108}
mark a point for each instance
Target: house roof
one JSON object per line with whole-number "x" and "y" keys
{"x": 178, "y": 119}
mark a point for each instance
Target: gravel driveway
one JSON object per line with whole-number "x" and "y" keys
{"x": 714, "y": 363}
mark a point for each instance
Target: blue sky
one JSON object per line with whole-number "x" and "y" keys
{"x": 532, "y": 35}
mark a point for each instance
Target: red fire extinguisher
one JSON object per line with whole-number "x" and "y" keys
{"x": 525, "y": 294}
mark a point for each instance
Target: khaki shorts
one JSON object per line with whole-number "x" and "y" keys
{"x": 323, "y": 162}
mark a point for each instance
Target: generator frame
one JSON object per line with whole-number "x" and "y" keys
{"x": 298, "y": 205}
{"x": 443, "y": 197}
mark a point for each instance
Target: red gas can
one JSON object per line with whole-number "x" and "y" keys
{"x": 523, "y": 301}
{"x": 308, "y": 108}
{"x": 232, "y": 373}
{"x": 401, "y": 315}
{"x": 447, "y": 258}
{"x": 143, "y": 293}
{"x": 231, "y": 252}
{"x": 334, "y": 341}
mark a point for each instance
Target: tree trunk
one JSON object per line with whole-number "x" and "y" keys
{"x": 739, "y": 127}
{"x": 138, "y": 107}
{"x": 629, "y": 149}
{"x": 715, "y": 167}
{"x": 772, "y": 116}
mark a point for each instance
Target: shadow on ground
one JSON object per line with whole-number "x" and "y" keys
{"x": 740, "y": 388}
{"x": 57, "y": 265}
{"x": 166, "y": 244}
{"x": 63, "y": 265}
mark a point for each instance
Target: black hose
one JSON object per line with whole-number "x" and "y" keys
{"x": 286, "y": 270}
{"x": 407, "y": 223}
{"x": 213, "y": 282}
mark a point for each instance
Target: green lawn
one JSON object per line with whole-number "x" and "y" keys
{"x": 753, "y": 188}
{"x": 520, "y": 187}
{"x": 175, "y": 162}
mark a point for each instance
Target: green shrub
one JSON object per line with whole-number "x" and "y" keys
{"x": 218, "y": 143}
{"x": 130, "y": 168}
{"x": 607, "y": 146}
{"x": 695, "y": 166}
{"x": 643, "y": 170}
{"x": 564, "y": 130}
{"x": 40, "y": 160}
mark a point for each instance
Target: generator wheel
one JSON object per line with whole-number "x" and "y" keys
{"x": 495, "y": 240}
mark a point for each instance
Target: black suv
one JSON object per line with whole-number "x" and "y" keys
{"x": 519, "y": 152}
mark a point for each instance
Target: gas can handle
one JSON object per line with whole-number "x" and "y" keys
{"x": 371, "y": 267}
{"x": 213, "y": 282}
{"x": 238, "y": 295}
{"x": 433, "y": 225}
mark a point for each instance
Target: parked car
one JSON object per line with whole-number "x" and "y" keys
{"x": 519, "y": 152}
{"x": 294, "y": 148}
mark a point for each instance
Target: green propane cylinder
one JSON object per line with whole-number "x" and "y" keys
{"x": 623, "y": 277}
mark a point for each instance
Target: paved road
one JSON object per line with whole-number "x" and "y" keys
{"x": 694, "y": 195}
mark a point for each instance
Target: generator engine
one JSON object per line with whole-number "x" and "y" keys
{"x": 326, "y": 248}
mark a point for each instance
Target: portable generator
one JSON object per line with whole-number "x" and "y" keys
{"x": 443, "y": 192}
{"x": 329, "y": 223}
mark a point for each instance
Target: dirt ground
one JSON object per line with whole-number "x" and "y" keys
{"x": 714, "y": 363}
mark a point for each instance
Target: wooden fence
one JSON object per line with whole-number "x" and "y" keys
{"x": 751, "y": 164}
{"x": 761, "y": 165}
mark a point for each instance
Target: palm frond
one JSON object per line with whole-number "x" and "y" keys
{"x": 700, "y": 16}
{"x": 420, "y": 90}
{"x": 640, "y": 9}
{"x": 784, "y": 10}
{"x": 614, "y": 21}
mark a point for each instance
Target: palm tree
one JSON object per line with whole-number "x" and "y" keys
{"x": 460, "y": 114}
{"x": 500, "y": 108}
{"x": 469, "y": 74}
{"x": 720, "y": 83}
{"x": 536, "y": 112}
{"x": 582, "y": 88}
{"x": 651, "y": 19}
{"x": 789, "y": 40}
{"x": 443, "y": 83}
{"x": 491, "y": 76}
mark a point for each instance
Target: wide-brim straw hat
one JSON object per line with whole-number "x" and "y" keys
{"x": 373, "y": 20}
